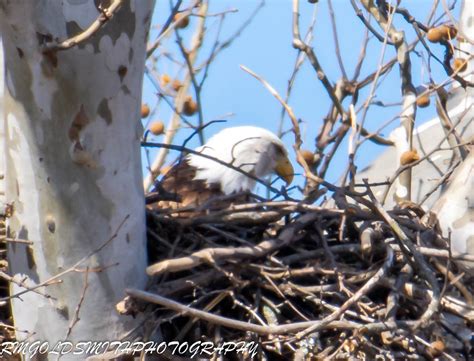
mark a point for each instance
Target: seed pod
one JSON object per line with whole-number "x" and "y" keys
{"x": 165, "y": 79}
{"x": 181, "y": 20}
{"x": 145, "y": 111}
{"x": 189, "y": 106}
{"x": 308, "y": 156}
{"x": 440, "y": 33}
{"x": 423, "y": 101}
{"x": 409, "y": 157}
{"x": 452, "y": 32}
{"x": 157, "y": 128}
{"x": 176, "y": 85}
{"x": 434, "y": 35}
{"x": 436, "y": 348}
{"x": 459, "y": 64}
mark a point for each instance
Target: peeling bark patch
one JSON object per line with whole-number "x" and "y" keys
{"x": 125, "y": 89}
{"x": 63, "y": 311}
{"x": 52, "y": 58}
{"x": 122, "y": 71}
{"x": 104, "y": 111}
{"x": 51, "y": 224}
{"x": 42, "y": 357}
{"x": 147, "y": 19}
{"x": 82, "y": 157}
{"x": 30, "y": 258}
{"x": 43, "y": 38}
{"x": 123, "y": 21}
{"x": 72, "y": 29}
{"x": 79, "y": 123}
{"x": 47, "y": 69}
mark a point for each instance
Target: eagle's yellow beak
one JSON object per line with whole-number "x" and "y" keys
{"x": 284, "y": 169}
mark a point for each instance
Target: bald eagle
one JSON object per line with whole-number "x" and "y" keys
{"x": 228, "y": 164}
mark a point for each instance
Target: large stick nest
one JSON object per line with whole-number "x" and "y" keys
{"x": 307, "y": 282}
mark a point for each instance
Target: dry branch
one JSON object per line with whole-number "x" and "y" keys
{"x": 106, "y": 15}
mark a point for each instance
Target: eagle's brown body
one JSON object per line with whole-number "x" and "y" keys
{"x": 200, "y": 183}
{"x": 180, "y": 182}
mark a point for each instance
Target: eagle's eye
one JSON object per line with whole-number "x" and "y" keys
{"x": 279, "y": 151}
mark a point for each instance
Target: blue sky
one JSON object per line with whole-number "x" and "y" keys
{"x": 266, "y": 48}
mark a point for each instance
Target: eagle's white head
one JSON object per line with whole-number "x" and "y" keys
{"x": 255, "y": 150}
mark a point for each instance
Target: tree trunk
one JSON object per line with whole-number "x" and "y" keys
{"x": 455, "y": 208}
{"x": 455, "y": 211}
{"x": 73, "y": 168}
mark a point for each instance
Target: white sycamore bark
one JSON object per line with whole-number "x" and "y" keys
{"x": 73, "y": 168}
{"x": 455, "y": 208}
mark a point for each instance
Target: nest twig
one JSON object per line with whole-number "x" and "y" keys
{"x": 313, "y": 283}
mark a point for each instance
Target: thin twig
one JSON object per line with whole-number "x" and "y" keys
{"x": 105, "y": 16}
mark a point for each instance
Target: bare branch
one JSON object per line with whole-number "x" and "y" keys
{"x": 105, "y": 15}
